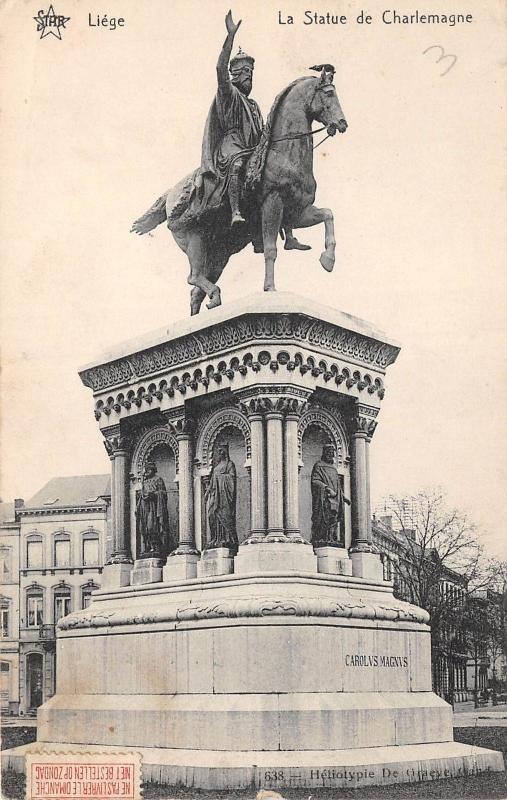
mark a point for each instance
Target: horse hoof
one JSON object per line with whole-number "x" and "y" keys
{"x": 215, "y": 300}
{"x": 269, "y": 289}
{"x": 327, "y": 262}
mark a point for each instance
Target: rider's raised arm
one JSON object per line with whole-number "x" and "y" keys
{"x": 224, "y": 83}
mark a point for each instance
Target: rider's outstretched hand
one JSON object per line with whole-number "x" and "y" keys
{"x": 229, "y": 24}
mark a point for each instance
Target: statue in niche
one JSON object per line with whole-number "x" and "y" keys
{"x": 327, "y": 501}
{"x": 152, "y": 516}
{"x": 220, "y": 500}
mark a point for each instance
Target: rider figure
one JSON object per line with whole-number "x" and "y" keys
{"x": 233, "y": 130}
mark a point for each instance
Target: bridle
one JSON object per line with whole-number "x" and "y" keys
{"x": 290, "y": 136}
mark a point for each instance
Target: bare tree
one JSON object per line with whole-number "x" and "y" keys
{"x": 439, "y": 543}
{"x": 440, "y": 564}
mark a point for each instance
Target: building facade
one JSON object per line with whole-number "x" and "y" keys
{"x": 63, "y": 544}
{"x": 9, "y": 607}
{"x": 449, "y": 651}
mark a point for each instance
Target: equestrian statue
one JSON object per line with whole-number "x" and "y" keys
{"x": 255, "y": 181}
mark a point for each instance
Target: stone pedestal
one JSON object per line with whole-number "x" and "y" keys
{"x": 287, "y": 671}
{"x": 146, "y": 570}
{"x": 181, "y": 567}
{"x": 116, "y": 575}
{"x": 333, "y": 560}
{"x": 275, "y": 557}
{"x": 216, "y": 561}
{"x": 367, "y": 565}
{"x": 269, "y": 680}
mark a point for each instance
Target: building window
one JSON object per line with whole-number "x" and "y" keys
{"x": 5, "y": 564}
{"x": 90, "y": 551}
{"x": 34, "y": 554}
{"x": 62, "y": 605}
{"x": 34, "y": 612}
{"x": 62, "y": 550}
{"x": 86, "y": 594}
{"x": 4, "y": 618}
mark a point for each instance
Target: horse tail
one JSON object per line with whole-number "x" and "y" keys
{"x": 155, "y": 215}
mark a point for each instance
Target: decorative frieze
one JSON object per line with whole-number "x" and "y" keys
{"x": 323, "y": 336}
{"x": 225, "y": 374}
{"x": 250, "y": 607}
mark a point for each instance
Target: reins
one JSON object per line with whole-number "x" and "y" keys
{"x": 291, "y": 136}
{"x": 300, "y": 136}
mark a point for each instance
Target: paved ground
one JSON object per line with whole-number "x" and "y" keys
{"x": 466, "y": 716}
{"x": 19, "y": 722}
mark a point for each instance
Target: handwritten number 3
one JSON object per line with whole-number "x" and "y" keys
{"x": 443, "y": 55}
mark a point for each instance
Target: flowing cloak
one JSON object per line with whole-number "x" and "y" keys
{"x": 234, "y": 124}
{"x": 327, "y": 512}
{"x": 221, "y": 506}
{"x": 152, "y": 514}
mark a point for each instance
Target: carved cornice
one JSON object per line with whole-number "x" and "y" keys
{"x": 292, "y": 328}
{"x": 225, "y": 373}
{"x": 51, "y": 510}
{"x": 250, "y": 607}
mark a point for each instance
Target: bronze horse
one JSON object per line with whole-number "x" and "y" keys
{"x": 280, "y": 193}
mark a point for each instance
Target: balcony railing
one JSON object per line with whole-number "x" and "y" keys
{"x": 56, "y": 570}
{"x": 46, "y": 632}
{"x": 37, "y": 633}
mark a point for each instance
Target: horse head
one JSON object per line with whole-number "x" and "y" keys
{"x": 324, "y": 105}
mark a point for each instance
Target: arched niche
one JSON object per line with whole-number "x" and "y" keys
{"x": 229, "y": 427}
{"x": 317, "y": 428}
{"x": 160, "y": 446}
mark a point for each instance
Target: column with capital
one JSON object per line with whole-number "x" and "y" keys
{"x": 274, "y": 494}
{"x": 255, "y": 409}
{"x": 294, "y": 409}
{"x": 274, "y": 438}
{"x": 182, "y": 562}
{"x": 118, "y": 568}
{"x": 366, "y": 561}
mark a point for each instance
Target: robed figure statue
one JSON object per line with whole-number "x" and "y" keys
{"x": 152, "y": 516}
{"x": 221, "y": 503}
{"x": 327, "y": 501}
{"x": 233, "y": 129}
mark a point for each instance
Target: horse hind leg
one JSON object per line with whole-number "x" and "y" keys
{"x": 197, "y": 295}
{"x": 272, "y": 212}
{"x": 198, "y": 257}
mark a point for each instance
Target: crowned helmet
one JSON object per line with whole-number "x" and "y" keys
{"x": 240, "y": 60}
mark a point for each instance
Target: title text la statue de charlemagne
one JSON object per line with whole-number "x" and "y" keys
{"x": 388, "y": 17}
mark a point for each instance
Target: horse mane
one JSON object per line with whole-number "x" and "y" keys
{"x": 257, "y": 160}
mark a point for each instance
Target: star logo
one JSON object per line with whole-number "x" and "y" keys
{"x": 50, "y": 23}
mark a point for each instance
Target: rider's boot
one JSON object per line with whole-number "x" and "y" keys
{"x": 234, "y": 200}
{"x": 291, "y": 243}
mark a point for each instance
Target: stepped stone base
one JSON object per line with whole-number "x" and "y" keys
{"x": 279, "y": 680}
{"x": 213, "y": 769}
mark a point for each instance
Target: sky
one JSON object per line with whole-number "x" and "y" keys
{"x": 98, "y": 124}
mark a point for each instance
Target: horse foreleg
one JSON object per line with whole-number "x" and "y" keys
{"x": 272, "y": 212}
{"x": 313, "y": 216}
